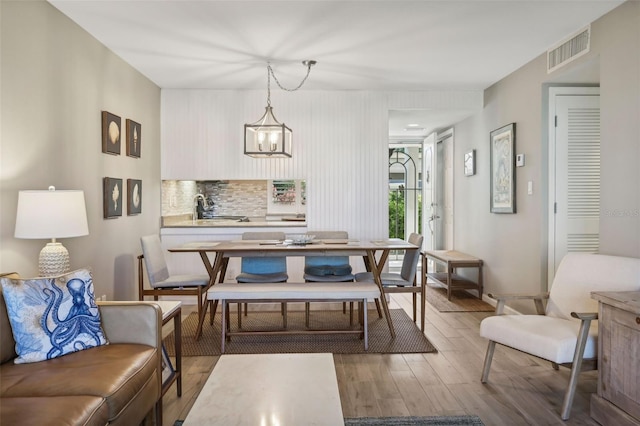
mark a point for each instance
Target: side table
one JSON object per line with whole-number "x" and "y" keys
{"x": 452, "y": 260}
{"x": 616, "y": 401}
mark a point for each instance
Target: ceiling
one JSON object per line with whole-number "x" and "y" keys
{"x": 359, "y": 44}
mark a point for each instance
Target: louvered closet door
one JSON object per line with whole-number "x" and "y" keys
{"x": 577, "y": 175}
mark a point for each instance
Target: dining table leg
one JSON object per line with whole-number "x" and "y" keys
{"x": 213, "y": 270}
{"x": 376, "y": 269}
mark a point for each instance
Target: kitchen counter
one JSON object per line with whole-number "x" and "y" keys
{"x": 232, "y": 222}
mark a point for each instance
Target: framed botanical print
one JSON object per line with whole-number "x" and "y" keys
{"x": 112, "y": 197}
{"x": 110, "y": 133}
{"x": 134, "y": 134}
{"x": 134, "y": 196}
{"x": 503, "y": 179}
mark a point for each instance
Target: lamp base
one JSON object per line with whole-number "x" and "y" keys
{"x": 54, "y": 260}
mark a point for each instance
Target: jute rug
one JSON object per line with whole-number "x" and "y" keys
{"x": 461, "y": 301}
{"x": 409, "y": 338}
{"x": 415, "y": 421}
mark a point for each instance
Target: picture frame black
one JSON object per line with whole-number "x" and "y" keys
{"x": 134, "y": 138}
{"x": 503, "y": 178}
{"x": 134, "y": 196}
{"x": 111, "y": 131}
{"x": 470, "y": 163}
{"x": 112, "y": 197}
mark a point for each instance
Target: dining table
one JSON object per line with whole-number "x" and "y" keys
{"x": 375, "y": 253}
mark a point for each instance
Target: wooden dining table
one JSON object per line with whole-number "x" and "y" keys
{"x": 374, "y": 252}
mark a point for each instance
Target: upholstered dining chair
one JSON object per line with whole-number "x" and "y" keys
{"x": 263, "y": 269}
{"x": 564, "y": 332}
{"x": 405, "y": 281}
{"x": 161, "y": 282}
{"x": 328, "y": 268}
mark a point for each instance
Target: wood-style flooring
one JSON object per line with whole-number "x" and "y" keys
{"x": 522, "y": 390}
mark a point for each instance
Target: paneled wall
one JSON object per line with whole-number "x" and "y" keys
{"x": 340, "y": 143}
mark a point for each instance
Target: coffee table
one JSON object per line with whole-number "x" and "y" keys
{"x": 269, "y": 389}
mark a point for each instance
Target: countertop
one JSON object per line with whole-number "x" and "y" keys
{"x": 184, "y": 221}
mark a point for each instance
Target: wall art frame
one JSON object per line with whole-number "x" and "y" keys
{"x": 503, "y": 178}
{"x": 470, "y": 163}
{"x": 167, "y": 369}
{"x": 112, "y": 197}
{"x": 134, "y": 137}
{"x": 134, "y": 197}
{"x": 111, "y": 131}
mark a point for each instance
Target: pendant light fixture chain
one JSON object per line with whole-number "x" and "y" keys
{"x": 307, "y": 63}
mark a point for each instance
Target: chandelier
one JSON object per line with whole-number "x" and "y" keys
{"x": 267, "y": 137}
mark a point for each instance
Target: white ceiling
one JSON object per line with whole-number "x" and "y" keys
{"x": 359, "y": 44}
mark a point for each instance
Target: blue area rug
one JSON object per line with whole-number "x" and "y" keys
{"x": 406, "y": 421}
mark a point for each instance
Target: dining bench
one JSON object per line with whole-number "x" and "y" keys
{"x": 226, "y": 293}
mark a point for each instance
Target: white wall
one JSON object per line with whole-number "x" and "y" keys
{"x": 340, "y": 145}
{"x": 56, "y": 79}
{"x": 514, "y": 247}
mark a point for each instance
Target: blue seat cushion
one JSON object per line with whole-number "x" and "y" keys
{"x": 278, "y": 277}
{"x": 323, "y": 270}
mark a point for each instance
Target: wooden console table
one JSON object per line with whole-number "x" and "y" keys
{"x": 450, "y": 279}
{"x": 616, "y": 401}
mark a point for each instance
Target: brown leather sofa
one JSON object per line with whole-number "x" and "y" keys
{"x": 115, "y": 384}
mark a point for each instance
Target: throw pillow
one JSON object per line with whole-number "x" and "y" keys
{"x": 51, "y": 317}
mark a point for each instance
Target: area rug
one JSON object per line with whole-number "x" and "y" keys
{"x": 406, "y": 421}
{"x": 415, "y": 421}
{"x": 409, "y": 338}
{"x": 461, "y": 301}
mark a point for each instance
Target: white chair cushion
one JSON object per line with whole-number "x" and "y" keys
{"x": 182, "y": 281}
{"x": 579, "y": 274}
{"x": 293, "y": 291}
{"x": 550, "y": 338}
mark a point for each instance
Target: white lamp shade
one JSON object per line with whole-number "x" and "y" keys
{"x": 51, "y": 214}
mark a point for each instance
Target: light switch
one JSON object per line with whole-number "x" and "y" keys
{"x": 519, "y": 160}
{"x": 530, "y": 188}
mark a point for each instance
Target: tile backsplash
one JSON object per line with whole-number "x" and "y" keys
{"x": 230, "y": 197}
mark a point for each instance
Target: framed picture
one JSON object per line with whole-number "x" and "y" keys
{"x": 503, "y": 178}
{"x": 112, "y": 197}
{"x": 470, "y": 163}
{"x": 134, "y": 132}
{"x": 134, "y": 196}
{"x": 167, "y": 369}
{"x": 110, "y": 133}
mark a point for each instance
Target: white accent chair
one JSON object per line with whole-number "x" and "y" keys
{"x": 161, "y": 282}
{"x": 405, "y": 281}
{"x": 563, "y": 333}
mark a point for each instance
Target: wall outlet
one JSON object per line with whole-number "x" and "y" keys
{"x": 230, "y": 275}
{"x": 103, "y": 298}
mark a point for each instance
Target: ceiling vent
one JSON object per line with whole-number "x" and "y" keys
{"x": 569, "y": 49}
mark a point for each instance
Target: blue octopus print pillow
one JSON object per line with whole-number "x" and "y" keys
{"x": 51, "y": 317}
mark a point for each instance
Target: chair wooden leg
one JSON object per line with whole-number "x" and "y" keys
{"x": 575, "y": 369}
{"x": 423, "y": 299}
{"x": 284, "y": 314}
{"x": 378, "y": 307}
{"x": 487, "y": 361}
{"x": 307, "y": 308}
{"x": 240, "y": 314}
{"x": 350, "y": 313}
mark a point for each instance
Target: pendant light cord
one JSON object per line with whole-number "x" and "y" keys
{"x": 270, "y": 73}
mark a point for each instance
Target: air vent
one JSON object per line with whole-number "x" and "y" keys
{"x": 569, "y": 49}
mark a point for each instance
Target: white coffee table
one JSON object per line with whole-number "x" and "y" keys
{"x": 269, "y": 389}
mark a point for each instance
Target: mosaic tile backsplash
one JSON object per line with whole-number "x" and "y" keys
{"x": 230, "y": 198}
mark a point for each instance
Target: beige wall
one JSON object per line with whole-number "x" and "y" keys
{"x": 56, "y": 79}
{"x": 514, "y": 247}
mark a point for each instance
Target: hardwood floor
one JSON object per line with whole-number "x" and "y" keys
{"x": 522, "y": 390}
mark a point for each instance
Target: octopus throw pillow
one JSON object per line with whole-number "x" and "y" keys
{"x": 51, "y": 317}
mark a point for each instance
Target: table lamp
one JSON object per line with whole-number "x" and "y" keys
{"x": 51, "y": 214}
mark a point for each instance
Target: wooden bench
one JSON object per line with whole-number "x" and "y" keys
{"x": 293, "y": 292}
